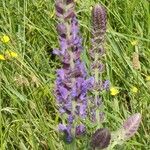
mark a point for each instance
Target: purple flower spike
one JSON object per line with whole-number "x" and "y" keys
{"x": 97, "y": 67}
{"x": 99, "y": 20}
{"x": 99, "y": 28}
{"x": 72, "y": 84}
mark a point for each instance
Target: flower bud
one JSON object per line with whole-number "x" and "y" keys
{"x": 131, "y": 125}
{"x": 101, "y": 138}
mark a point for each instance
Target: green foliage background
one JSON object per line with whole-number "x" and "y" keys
{"x": 29, "y": 116}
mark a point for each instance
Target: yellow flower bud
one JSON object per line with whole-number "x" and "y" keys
{"x": 134, "y": 43}
{"x": 114, "y": 91}
{"x": 2, "y": 57}
{"x": 11, "y": 54}
{"x": 147, "y": 78}
{"x": 5, "y": 39}
{"x": 134, "y": 89}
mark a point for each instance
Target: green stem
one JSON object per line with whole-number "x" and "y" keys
{"x": 71, "y": 146}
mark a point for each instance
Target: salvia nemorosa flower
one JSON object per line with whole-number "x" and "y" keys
{"x": 99, "y": 19}
{"x": 96, "y": 55}
{"x": 101, "y": 138}
{"x": 72, "y": 83}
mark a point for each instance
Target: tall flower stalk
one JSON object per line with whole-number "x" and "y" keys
{"x": 99, "y": 18}
{"x": 72, "y": 84}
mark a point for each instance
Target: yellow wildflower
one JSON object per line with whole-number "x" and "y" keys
{"x": 5, "y": 39}
{"x": 11, "y": 54}
{"x": 134, "y": 43}
{"x": 114, "y": 91}
{"x": 2, "y": 57}
{"x": 147, "y": 78}
{"x": 134, "y": 89}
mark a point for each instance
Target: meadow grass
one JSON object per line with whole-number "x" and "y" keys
{"x": 29, "y": 116}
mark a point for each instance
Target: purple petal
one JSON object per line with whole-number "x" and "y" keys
{"x": 63, "y": 45}
{"x": 67, "y": 132}
{"x": 106, "y": 85}
{"x": 56, "y": 52}
{"x": 62, "y": 111}
{"x": 69, "y": 138}
{"x": 80, "y": 130}
{"x": 70, "y": 119}
{"x": 63, "y": 91}
{"x": 76, "y": 90}
{"x": 68, "y": 106}
{"x": 88, "y": 84}
{"x": 82, "y": 97}
{"x": 82, "y": 111}
{"x": 62, "y": 127}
